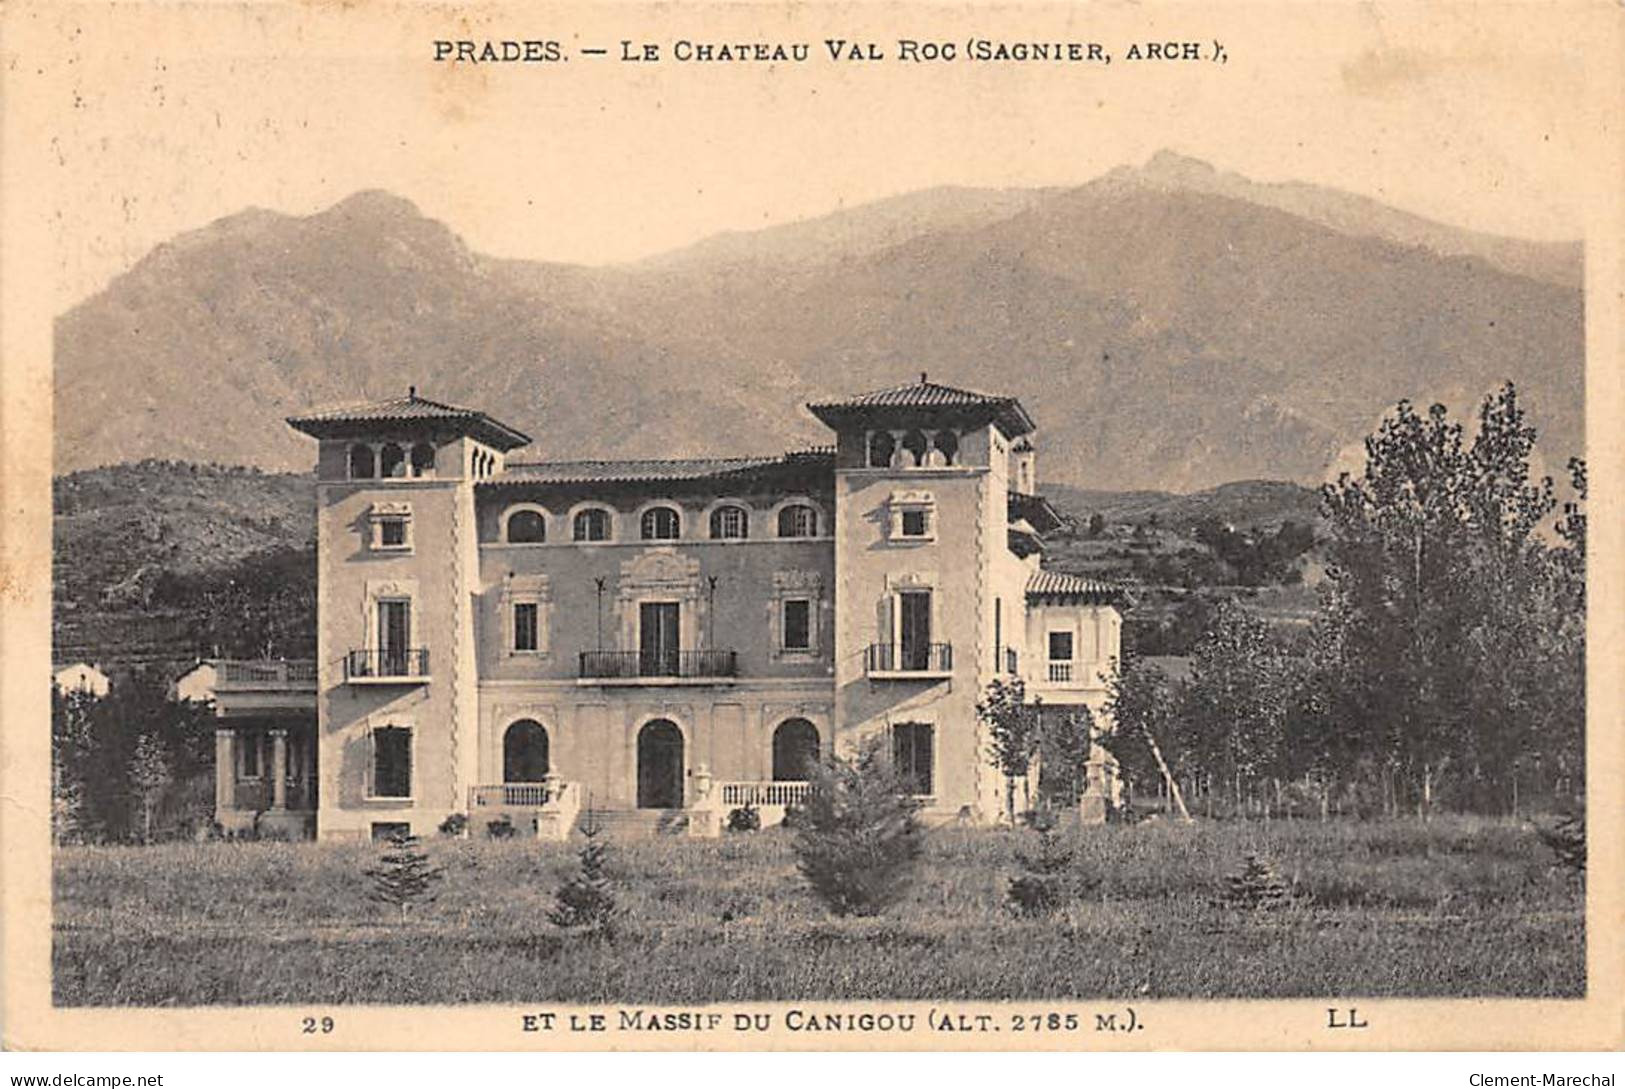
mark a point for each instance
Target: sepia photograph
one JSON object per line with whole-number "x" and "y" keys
{"x": 811, "y": 526}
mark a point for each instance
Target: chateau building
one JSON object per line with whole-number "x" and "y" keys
{"x": 660, "y": 640}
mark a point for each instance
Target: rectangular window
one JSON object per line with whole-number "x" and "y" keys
{"x": 248, "y": 748}
{"x": 658, "y": 655}
{"x": 911, "y": 756}
{"x": 914, "y": 629}
{"x": 797, "y": 624}
{"x": 525, "y": 628}
{"x": 394, "y": 637}
{"x": 1060, "y": 646}
{"x": 914, "y": 523}
{"x": 392, "y": 533}
{"x": 392, "y": 762}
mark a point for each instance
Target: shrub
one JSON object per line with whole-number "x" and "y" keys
{"x": 857, "y": 841}
{"x": 1045, "y": 885}
{"x": 455, "y": 824}
{"x": 745, "y": 818}
{"x": 1257, "y": 885}
{"x": 403, "y": 874}
{"x": 1567, "y": 840}
{"x": 501, "y": 828}
{"x": 586, "y": 899}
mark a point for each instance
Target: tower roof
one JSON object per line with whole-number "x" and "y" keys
{"x": 347, "y": 420}
{"x": 927, "y": 396}
{"x": 1054, "y": 586}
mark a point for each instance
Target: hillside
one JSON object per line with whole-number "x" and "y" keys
{"x": 1170, "y": 327}
{"x": 129, "y": 540}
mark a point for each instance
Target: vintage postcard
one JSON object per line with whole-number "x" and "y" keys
{"x": 812, "y": 526}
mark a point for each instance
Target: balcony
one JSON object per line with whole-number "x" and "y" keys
{"x": 632, "y": 667}
{"x": 908, "y": 661}
{"x": 1060, "y": 673}
{"x": 393, "y": 666}
{"x": 264, "y": 675}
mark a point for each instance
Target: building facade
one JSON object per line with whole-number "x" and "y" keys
{"x": 656, "y": 638}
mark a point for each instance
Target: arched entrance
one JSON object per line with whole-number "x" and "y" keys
{"x": 660, "y": 765}
{"x": 795, "y": 750}
{"x": 524, "y": 752}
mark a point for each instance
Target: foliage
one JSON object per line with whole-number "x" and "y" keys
{"x": 455, "y": 824}
{"x": 149, "y": 776}
{"x": 1044, "y": 885}
{"x": 1566, "y": 838}
{"x": 857, "y": 842}
{"x": 501, "y": 828}
{"x": 586, "y": 900}
{"x": 744, "y": 818}
{"x": 101, "y": 791}
{"x": 1065, "y": 738}
{"x": 404, "y": 874}
{"x": 1446, "y": 662}
{"x": 1012, "y": 733}
{"x": 1256, "y": 886}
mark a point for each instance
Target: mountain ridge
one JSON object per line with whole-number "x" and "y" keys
{"x": 1168, "y": 329}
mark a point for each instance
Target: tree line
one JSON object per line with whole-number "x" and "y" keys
{"x": 1445, "y": 666}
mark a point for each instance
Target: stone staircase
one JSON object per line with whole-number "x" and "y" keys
{"x": 637, "y": 823}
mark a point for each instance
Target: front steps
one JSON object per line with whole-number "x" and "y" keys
{"x": 637, "y": 823}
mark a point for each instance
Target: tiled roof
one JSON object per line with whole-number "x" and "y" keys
{"x": 648, "y": 469}
{"x": 325, "y": 422}
{"x": 1058, "y": 584}
{"x": 926, "y": 394}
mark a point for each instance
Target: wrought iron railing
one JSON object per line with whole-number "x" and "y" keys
{"x": 389, "y": 664}
{"x": 634, "y": 664}
{"x": 909, "y": 658}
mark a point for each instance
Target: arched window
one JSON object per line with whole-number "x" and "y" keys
{"x": 524, "y": 752}
{"x": 730, "y": 523}
{"x": 798, "y": 520}
{"x": 661, "y": 524}
{"x": 526, "y": 526}
{"x": 944, "y": 448}
{"x": 916, "y": 444}
{"x": 881, "y": 445}
{"x": 423, "y": 459}
{"x": 795, "y": 750}
{"x": 391, "y": 461}
{"x": 362, "y": 466}
{"x": 592, "y": 524}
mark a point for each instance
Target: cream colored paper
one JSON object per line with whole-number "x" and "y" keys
{"x": 126, "y": 124}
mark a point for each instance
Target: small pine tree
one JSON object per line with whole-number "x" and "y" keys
{"x": 1257, "y": 885}
{"x": 586, "y": 898}
{"x": 1045, "y": 885}
{"x": 1567, "y": 840}
{"x": 857, "y": 840}
{"x": 404, "y": 874}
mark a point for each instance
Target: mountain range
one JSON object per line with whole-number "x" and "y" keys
{"x": 1170, "y": 326}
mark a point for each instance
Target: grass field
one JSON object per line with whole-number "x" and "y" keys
{"x": 1455, "y": 907}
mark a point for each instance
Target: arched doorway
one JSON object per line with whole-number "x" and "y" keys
{"x": 795, "y": 750}
{"x": 660, "y": 765}
{"x": 524, "y": 752}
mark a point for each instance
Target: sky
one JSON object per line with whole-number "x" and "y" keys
{"x": 156, "y": 119}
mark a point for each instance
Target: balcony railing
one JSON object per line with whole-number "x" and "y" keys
{"x": 387, "y": 665}
{"x": 264, "y": 673}
{"x": 631, "y": 665}
{"x": 1060, "y": 672}
{"x": 909, "y": 658}
{"x": 781, "y": 792}
{"x": 513, "y": 795}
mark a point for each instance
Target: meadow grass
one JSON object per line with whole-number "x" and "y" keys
{"x": 1453, "y": 907}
